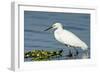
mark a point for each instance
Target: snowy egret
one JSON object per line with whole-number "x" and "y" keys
{"x": 68, "y": 38}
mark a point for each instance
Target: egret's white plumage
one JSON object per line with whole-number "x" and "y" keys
{"x": 66, "y": 37}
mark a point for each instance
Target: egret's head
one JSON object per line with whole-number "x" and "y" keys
{"x": 55, "y": 26}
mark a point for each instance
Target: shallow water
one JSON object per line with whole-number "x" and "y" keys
{"x": 36, "y": 38}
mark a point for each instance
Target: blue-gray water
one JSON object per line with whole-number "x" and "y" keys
{"x": 36, "y": 22}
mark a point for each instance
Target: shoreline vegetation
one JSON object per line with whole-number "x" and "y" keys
{"x": 42, "y": 55}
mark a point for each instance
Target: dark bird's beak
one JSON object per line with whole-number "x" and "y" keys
{"x": 48, "y": 29}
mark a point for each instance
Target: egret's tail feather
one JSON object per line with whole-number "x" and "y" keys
{"x": 84, "y": 47}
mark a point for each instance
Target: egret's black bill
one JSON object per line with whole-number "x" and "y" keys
{"x": 47, "y": 28}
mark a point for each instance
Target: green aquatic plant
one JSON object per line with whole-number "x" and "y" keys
{"x": 39, "y": 55}
{"x": 28, "y": 54}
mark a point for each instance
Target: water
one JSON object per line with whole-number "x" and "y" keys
{"x": 36, "y": 22}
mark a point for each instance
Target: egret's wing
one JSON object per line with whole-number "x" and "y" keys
{"x": 70, "y": 38}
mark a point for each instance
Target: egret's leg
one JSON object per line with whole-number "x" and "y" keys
{"x": 70, "y": 53}
{"x": 76, "y": 51}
